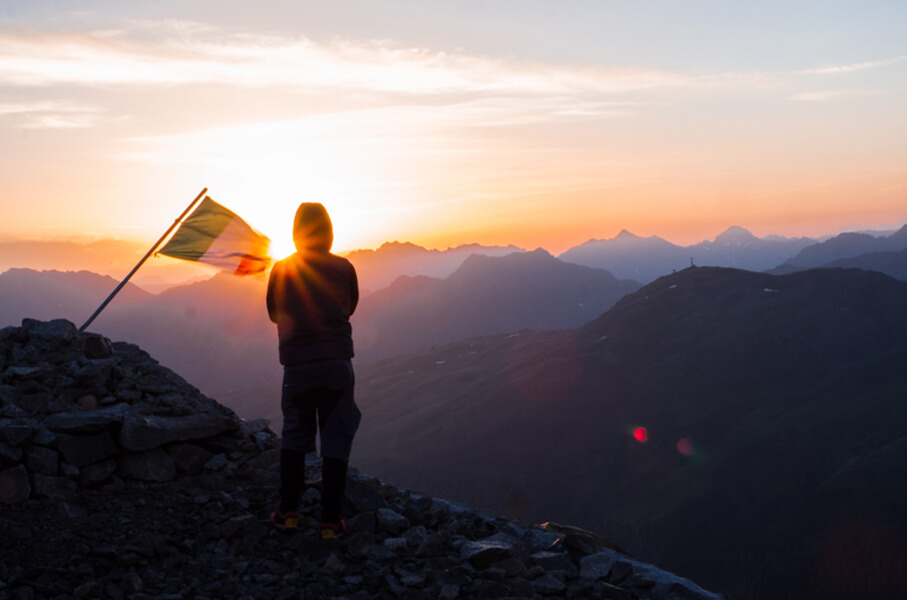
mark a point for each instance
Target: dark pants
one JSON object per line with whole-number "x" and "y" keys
{"x": 317, "y": 398}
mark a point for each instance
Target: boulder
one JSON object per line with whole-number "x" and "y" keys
{"x": 14, "y": 485}
{"x": 143, "y": 432}
{"x": 97, "y": 473}
{"x": 391, "y": 522}
{"x": 481, "y": 554}
{"x": 39, "y": 459}
{"x": 84, "y": 421}
{"x": 17, "y": 430}
{"x": 97, "y": 346}
{"x": 59, "y": 331}
{"x": 83, "y": 450}
{"x": 598, "y": 566}
{"x": 150, "y": 465}
{"x": 189, "y": 458}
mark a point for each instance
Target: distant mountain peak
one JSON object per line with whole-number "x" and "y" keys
{"x": 735, "y": 235}
{"x": 626, "y": 235}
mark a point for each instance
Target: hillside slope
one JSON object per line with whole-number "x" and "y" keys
{"x": 774, "y": 414}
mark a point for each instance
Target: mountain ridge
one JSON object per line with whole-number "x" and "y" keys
{"x": 766, "y": 401}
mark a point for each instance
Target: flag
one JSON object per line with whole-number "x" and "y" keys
{"x": 216, "y": 235}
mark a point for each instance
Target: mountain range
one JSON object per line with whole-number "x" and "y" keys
{"x": 484, "y": 295}
{"x": 229, "y": 349}
{"x": 644, "y": 259}
{"x": 378, "y": 268}
{"x": 746, "y": 429}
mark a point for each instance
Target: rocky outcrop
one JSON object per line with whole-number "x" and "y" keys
{"x": 120, "y": 480}
{"x": 77, "y": 411}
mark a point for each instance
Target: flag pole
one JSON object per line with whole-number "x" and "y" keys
{"x": 144, "y": 258}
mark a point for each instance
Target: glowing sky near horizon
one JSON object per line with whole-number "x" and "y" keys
{"x": 541, "y": 124}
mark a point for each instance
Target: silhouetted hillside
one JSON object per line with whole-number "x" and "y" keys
{"x": 377, "y": 269}
{"x": 893, "y": 264}
{"x": 485, "y": 295}
{"x": 774, "y": 414}
{"x": 846, "y": 245}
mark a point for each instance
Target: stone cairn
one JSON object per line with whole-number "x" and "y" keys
{"x": 118, "y": 479}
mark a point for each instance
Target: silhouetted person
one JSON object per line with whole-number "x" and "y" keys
{"x": 311, "y": 296}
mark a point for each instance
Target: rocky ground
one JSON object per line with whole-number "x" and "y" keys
{"x": 119, "y": 480}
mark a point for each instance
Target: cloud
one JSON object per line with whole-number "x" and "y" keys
{"x": 822, "y": 96}
{"x": 829, "y": 95}
{"x": 51, "y": 115}
{"x": 850, "y": 68}
{"x": 173, "y": 52}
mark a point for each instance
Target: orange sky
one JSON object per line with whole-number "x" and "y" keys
{"x": 513, "y": 124}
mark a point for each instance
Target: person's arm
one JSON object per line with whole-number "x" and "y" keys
{"x": 272, "y": 292}
{"x": 354, "y": 289}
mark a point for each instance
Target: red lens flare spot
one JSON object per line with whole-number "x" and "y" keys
{"x": 685, "y": 446}
{"x": 641, "y": 434}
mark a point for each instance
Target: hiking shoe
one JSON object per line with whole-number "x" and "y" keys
{"x": 333, "y": 531}
{"x": 286, "y": 521}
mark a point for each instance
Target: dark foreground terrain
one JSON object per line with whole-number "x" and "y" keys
{"x": 120, "y": 480}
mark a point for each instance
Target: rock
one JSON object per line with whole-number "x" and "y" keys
{"x": 397, "y": 545}
{"x": 219, "y": 462}
{"x": 96, "y": 473}
{"x": 83, "y": 421}
{"x": 612, "y": 592}
{"x": 481, "y": 554}
{"x": 435, "y": 545}
{"x": 554, "y": 561}
{"x": 83, "y": 450}
{"x": 39, "y": 459}
{"x": 14, "y": 485}
{"x": 150, "y": 465}
{"x": 10, "y": 454}
{"x": 363, "y": 497}
{"x": 97, "y": 346}
{"x": 250, "y": 428}
{"x": 68, "y": 470}
{"x": 43, "y": 436}
{"x": 15, "y": 431}
{"x": 547, "y": 585}
{"x": 56, "y": 332}
{"x": 391, "y": 522}
{"x": 620, "y": 572}
{"x": 143, "y": 432}
{"x": 538, "y": 539}
{"x": 46, "y": 486}
{"x": 597, "y": 566}
{"x": 88, "y": 402}
{"x": 189, "y": 458}
{"x": 95, "y": 375}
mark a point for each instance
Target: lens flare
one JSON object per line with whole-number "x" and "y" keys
{"x": 685, "y": 446}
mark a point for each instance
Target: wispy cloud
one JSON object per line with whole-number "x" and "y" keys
{"x": 185, "y": 53}
{"x": 829, "y": 95}
{"x": 51, "y": 115}
{"x": 852, "y": 67}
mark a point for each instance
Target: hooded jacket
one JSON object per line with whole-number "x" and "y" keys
{"x": 312, "y": 294}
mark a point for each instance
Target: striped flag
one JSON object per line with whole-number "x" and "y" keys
{"x": 217, "y": 236}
